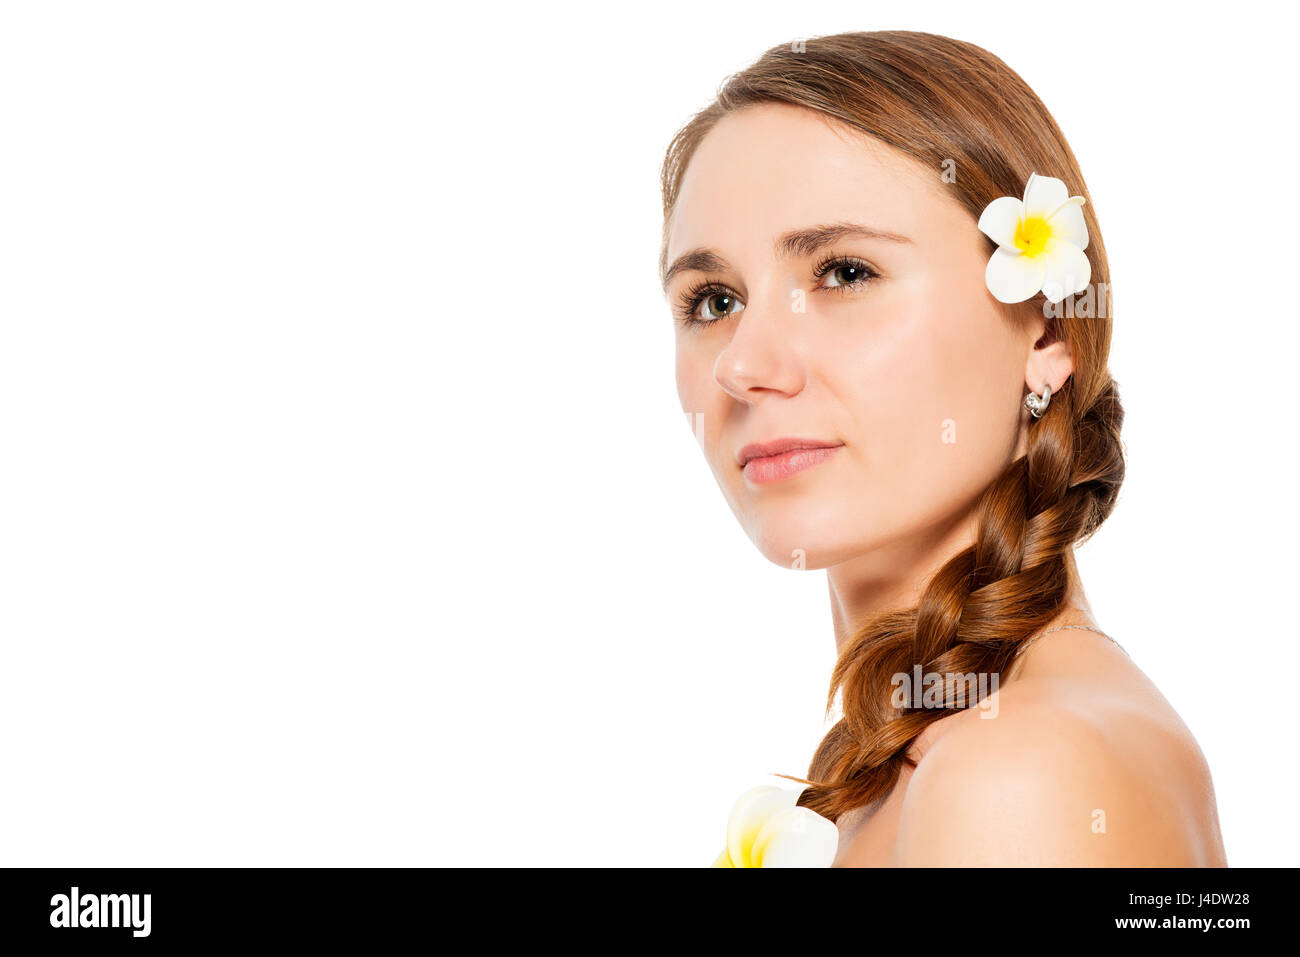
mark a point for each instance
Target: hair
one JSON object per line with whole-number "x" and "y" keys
{"x": 951, "y": 105}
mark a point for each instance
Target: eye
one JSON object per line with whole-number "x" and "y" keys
{"x": 844, "y": 273}
{"x": 844, "y": 276}
{"x": 719, "y": 304}
{"x": 708, "y": 302}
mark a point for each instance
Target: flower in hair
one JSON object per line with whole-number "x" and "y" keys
{"x": 767, "y": 829}
{"x": 1041, "y": 239}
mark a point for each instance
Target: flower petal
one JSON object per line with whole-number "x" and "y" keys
{"x": 1068, "y": 224}
{"x": 1068, "y": 270}
{"x": 724, "y": 859}
{"x": 1012, "y": 277}
{"x": 749, "y": 814}
{"x": 999, "y": 220}
{"x": 796, "y": 837}
{"x": 1043, "y": 194}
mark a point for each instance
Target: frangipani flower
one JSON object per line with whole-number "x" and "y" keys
{"x": 767, "y": 829}
{"x": 1040, "y": 240}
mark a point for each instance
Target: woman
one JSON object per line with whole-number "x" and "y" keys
{"x": 892, "y": 315}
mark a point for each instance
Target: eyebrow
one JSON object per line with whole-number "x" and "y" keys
{"x": 797, "y": 242}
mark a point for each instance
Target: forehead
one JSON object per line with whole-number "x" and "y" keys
{"x": 773, "y": 167}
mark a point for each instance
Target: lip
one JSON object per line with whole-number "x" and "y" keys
{"x": 764, "y": 462}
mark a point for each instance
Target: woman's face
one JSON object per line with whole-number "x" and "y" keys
{"x": 841, "y": 303}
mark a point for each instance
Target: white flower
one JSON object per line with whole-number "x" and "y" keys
{"x": 1040, "y": 243}
{"x": 767, "y": 829}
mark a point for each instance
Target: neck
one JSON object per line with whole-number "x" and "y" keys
{"x": 893, "y": 578}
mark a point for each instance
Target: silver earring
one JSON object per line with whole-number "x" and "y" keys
{"x": 1036, "y": 405}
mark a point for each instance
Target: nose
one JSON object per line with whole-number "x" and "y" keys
{"x": 761, "y": 359}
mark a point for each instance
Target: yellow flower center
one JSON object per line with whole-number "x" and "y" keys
{"x": 1032, "y": 235}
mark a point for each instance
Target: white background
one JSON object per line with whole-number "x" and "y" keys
{"x": 347, "y": 513}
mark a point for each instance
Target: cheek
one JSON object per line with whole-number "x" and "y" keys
{"x": 695, "y": 385}
{"x": 975, "y": 375}
{"x": 934, "y": 401}
{"x": 701, "y": 398}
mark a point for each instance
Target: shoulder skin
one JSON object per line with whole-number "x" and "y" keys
{"x": 1047, "y": 784}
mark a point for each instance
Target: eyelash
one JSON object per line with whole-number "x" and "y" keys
{"x": 694, "y": 296}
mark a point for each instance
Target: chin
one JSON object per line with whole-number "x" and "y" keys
{"x": 806, "y": 546}
{"x": 812, "y": 526}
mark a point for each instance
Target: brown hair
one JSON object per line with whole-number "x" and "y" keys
{"x": 952, "y": 105}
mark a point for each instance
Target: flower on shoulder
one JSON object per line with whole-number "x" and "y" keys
{"x": 1041, "y": 239}
{"x": 767, "y": 829}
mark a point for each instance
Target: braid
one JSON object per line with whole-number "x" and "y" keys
{"x": 979, "y": 608}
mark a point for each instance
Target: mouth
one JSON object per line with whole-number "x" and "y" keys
{"x": 766, "y": 462}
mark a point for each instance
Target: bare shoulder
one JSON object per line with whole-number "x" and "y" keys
{"x": 1063, "y": 773}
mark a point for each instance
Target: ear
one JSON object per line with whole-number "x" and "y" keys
{"x": 1050, "y": 361}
